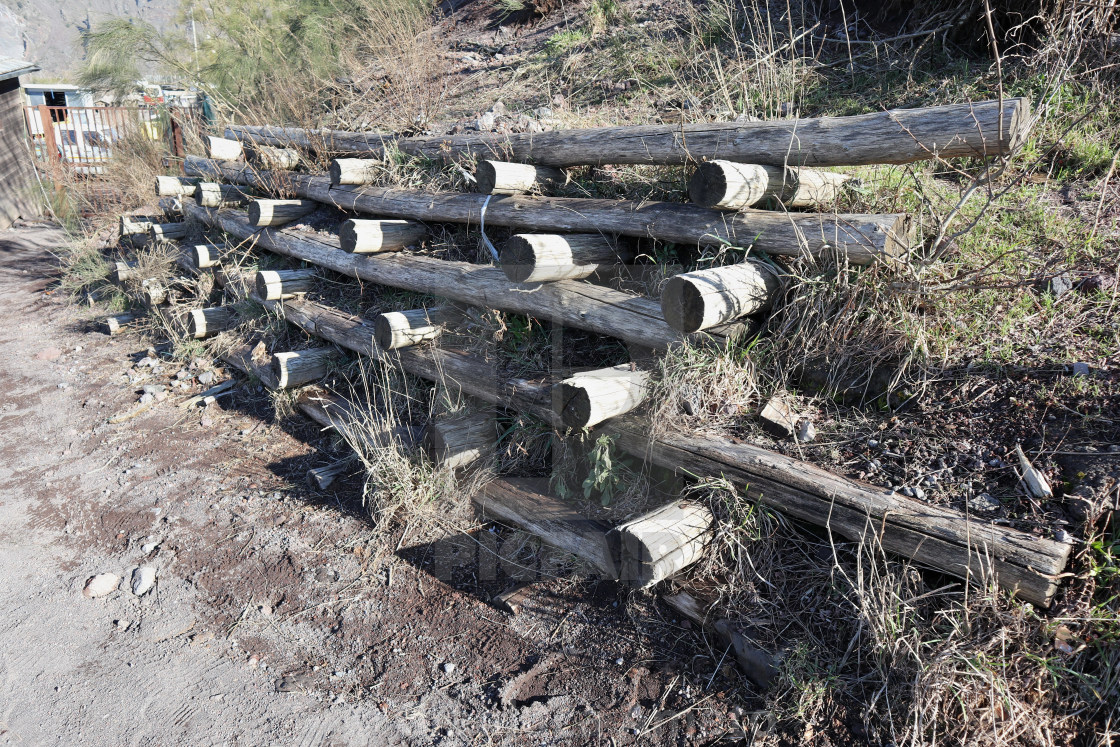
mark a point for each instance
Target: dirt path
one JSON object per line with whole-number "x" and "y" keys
{"x": 277, "y": 616}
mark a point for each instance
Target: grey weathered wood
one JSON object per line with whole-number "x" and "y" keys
{"x": 214, "y": 195}
{"x": 663, "y": 542}
{"x": 545, "y": 257}
{"x": 460, "y": 440}
{"x": 758, "y": 665}
{"x": 159, "y": 232}
{"x": 372, "y": 236}
{"x": 206, "y": 256}
{"x": 112, "y": 325}
{"x": 176, "y": 186}
{"x": 264, "y": 213}
{"x": 271, "y": 157}
{"x": 504, "y": 178}
{"x": 123, "y": 271}
{"x": 355, "y": 170}
{"x": 323, "y": 477}
{"x": 734, "y": 186}
{"x": 299, "y": 367}
{"x": 587, "y": 399}
{"x": 976, "y": 129}
{"x": 135, "y": 224}
{"x": 153, "y": 292}
{"x": 703, "y": 299}
{"x": 224, "y": 149}
{"x": 862, "y": 238}
{"x": 275, "y": 285}
{"x": 208, "y": 322}
{"x": 401, "y": 329}
{"x": 526, "y": 504}
{"x": 933, "y": 536}
{"x": 569, "y": 302}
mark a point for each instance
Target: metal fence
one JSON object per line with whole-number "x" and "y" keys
{"x": 83, "y": 139}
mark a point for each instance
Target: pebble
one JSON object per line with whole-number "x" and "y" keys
{"x": 1062, "y": 535}
{"x": 872, "y": 443}
{"x": 448, "y": 667}
{"x": 206, "y": 378}
{"x": 1080, "y": 369}
{"x": 908, "y": 491}
{"x": 63, "y": 385}
{"x": 919, "y": 493}
{"x": 101, "y": 584}
{"x": 619, "y": 661}
{"x": 983, "y": 502}
{"x": 1061, "y": 285}
{"x": 122, "y": 625}
{"x": 148, "y": 547}
{"x": 143, "y": 579}
{"x": 485, "y": 122}
{"x": 48, "y": 354}
{"x": 806, "y": 431}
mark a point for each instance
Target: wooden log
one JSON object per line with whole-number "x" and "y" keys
{"x": 862, "y": 238}
{"x": 112, "y": 325}
{"x": 355, "y": 170}
{"x": 734, "y": 186}
{"x": 527, "y": 504}
{"x": 299, "y": 367}
{"x": 663, "y": 542}
{"x": 213, "y": 195}
{"x": 123, "y": 271}
{"x": 512, "y": 600}
{"x": 699, "y": 300}
{"x": 323, "y": 477}
{"x": 153, "y": 292}
{"x": 504, "y": 178}
{"x": 462, "y": 439}
{"x": 162, "y": 232}
{"x": 275, "y": 285}
{"x": 974, "y": 129}
{"x": 207, "y": 322}
{"x": 545, "y": 257}
{"x": 568, "y": 302}
{"x": 354, "y": 420}
{"x": 372, "y": 236}
{"x": 264, "y": 213}
{"x": 933, "y": 536}
{"x": 206, "y": 256}
{"x": 400, "y": 329}
{"x": 271, "y": 157}
{"x": 133, "y": 224}
{"x": 176, "y": 186}
{"x": 223, "y": 149}
{"x": 170, "y": 205}
{"x": 589, "y": 398}
{"x": 758, "y": 665}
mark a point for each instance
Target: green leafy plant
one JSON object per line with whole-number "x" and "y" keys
{"x": 605, "y": 476}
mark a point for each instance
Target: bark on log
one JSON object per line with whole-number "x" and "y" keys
{"x": 123, "y": 271}
{"x": 526, "y": 504}
{"x": 695, "y": 301}
{"x": 503, "y": 178}
{"x": 568, "y": 302}
{"x": 271, "y": 157}
{"x": 276, "y": 285}
{"x": 373, "y": 236}
{"x": 264, "y": 213}
{"x": 206, "y": 256}
{"x": 587, "y": 399}
{"x": 933, "y": 536}
{"x": 401, "y": 329}
{"x": 153, "y": 292}
{"x": 176, "y": 186}
{"x": 734, "y": 186}
{"x": 299, "y": 367}
{"x": 663, "y": 542}
{"x": 160, "y": 232}
{"x": 206, "y": 322}
{"x": 224, "y": 149}
{"x": 862, "y": 238}
{"x": 462, "y": 439}
{"x": 212, "y": 195}
{"x": 132, "y": 224}
{"x": 112, "y": 325}
{"x": 545, "y": 257}
{"x": 355, "y": 170}
{"x": 898, "y": 136}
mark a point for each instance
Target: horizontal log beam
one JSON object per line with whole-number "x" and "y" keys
{"x": 976, "y": 129}
{"x": 862, "y": 238}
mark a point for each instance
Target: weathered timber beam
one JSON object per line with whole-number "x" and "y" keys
{"x": 276, "y": 285}
{"x": 861, "y": 238}
{"x": 977, "y": 129}
{"x": 694, "y": 301}
{"x": 176, "y": 186}
{"x": 503, "y": 178}
{"x": 213, "y": 195}
{"x": 589, "y": 398}
{"x": 224, "y": 149}
{"x": 271, "y": 157}
{"x": 663, "y": 542}
{"x": 207, "y": 322}
{"x": 401, "y": 329}
{"x": 734, "y": 186}
{"x": 544, "y": 257}
{"x": 462, "y": 439}
{"x": 372, "y": 236}
{"x": 264, "y": 213}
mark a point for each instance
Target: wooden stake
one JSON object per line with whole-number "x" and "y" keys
{"x": 503, "y": 178}
{"x": 206, "y": 322}
{"x": 274, "y": 285}
{"x": 355, "y": 170}
{"x": 300, "y": 367}
{"x": 400, "y": 329}
{"x": 112, "y": 325}
{"x": 707, "y": 298}
{"x": 265, "y": 213}
{"x": 206, "y": 256}
{"x": 123, "y": 271}
{"x": 663, "y": 542}
{"x": 176, "y": 186}
{"x": 543, "y": 257}
{"x": 221, "y": 149}
{"x": 733, "y": 186}
{"x": 214, "y": 195}
{"x": 270, "y": 157}
{"x": 373, "y": 236}
{"x": 462, "y": 439}
{"x": 589, "y": 398}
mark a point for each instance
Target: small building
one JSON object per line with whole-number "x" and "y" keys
{"x": 19, "y": 192}
{"x": 57, "y": 94}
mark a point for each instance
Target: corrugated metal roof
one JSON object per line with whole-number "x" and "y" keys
{"x": 10, "y": 67}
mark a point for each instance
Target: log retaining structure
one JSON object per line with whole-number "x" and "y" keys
{"x": 976, "y": 129}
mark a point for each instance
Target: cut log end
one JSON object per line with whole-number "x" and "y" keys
{"x": 359, "y": 236}
{"x": 222, "y": 149}
{"x": 296, "y": 368}
{"x": 533, "y": 258}
{"x": 354, "y": 171}
{"x": 204, "y": 323}
{"x": 462, "y": 440}
{"x": 723, "y": 184}
{"x": 503, "y": 178}
{"x": 705, "y": 299}
{"x": 276, "y": 285}
{"x": 593, "y": 397}
{"x": 266, "y": 213}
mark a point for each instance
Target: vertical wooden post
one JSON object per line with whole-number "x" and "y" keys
{"x": 176, "y": 135}
{"x": 49, "y": 143}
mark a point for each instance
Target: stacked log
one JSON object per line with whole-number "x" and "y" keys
{"x": 276, "y": 285}
{"x": 270, "y": 157}
{"x": 213, "y": 195}
{"x": 223, "y": 149}
{"x": 536, "y": 258}
{"x": 394, "y": 330}
{"x": 123, "y": 271}
{"x": 266, "y": 213}
{"x": 355, "y": 171}
{"x": 373, "y": 236}
{"x": 206, "y": 256}
{"x": 503, "y": 178}
{"x": 162, "y": 232}
{"x": 590, "y": 398}
{"x": 699, "y": 300}
{"x": 665, "y": 541}
{"x": 176, "y": 186}
{"x": 204, "y": 323}
{"x": 296, "y": 368}
{"x": 461, "y": 440}
{"x": 734, "y": 186}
